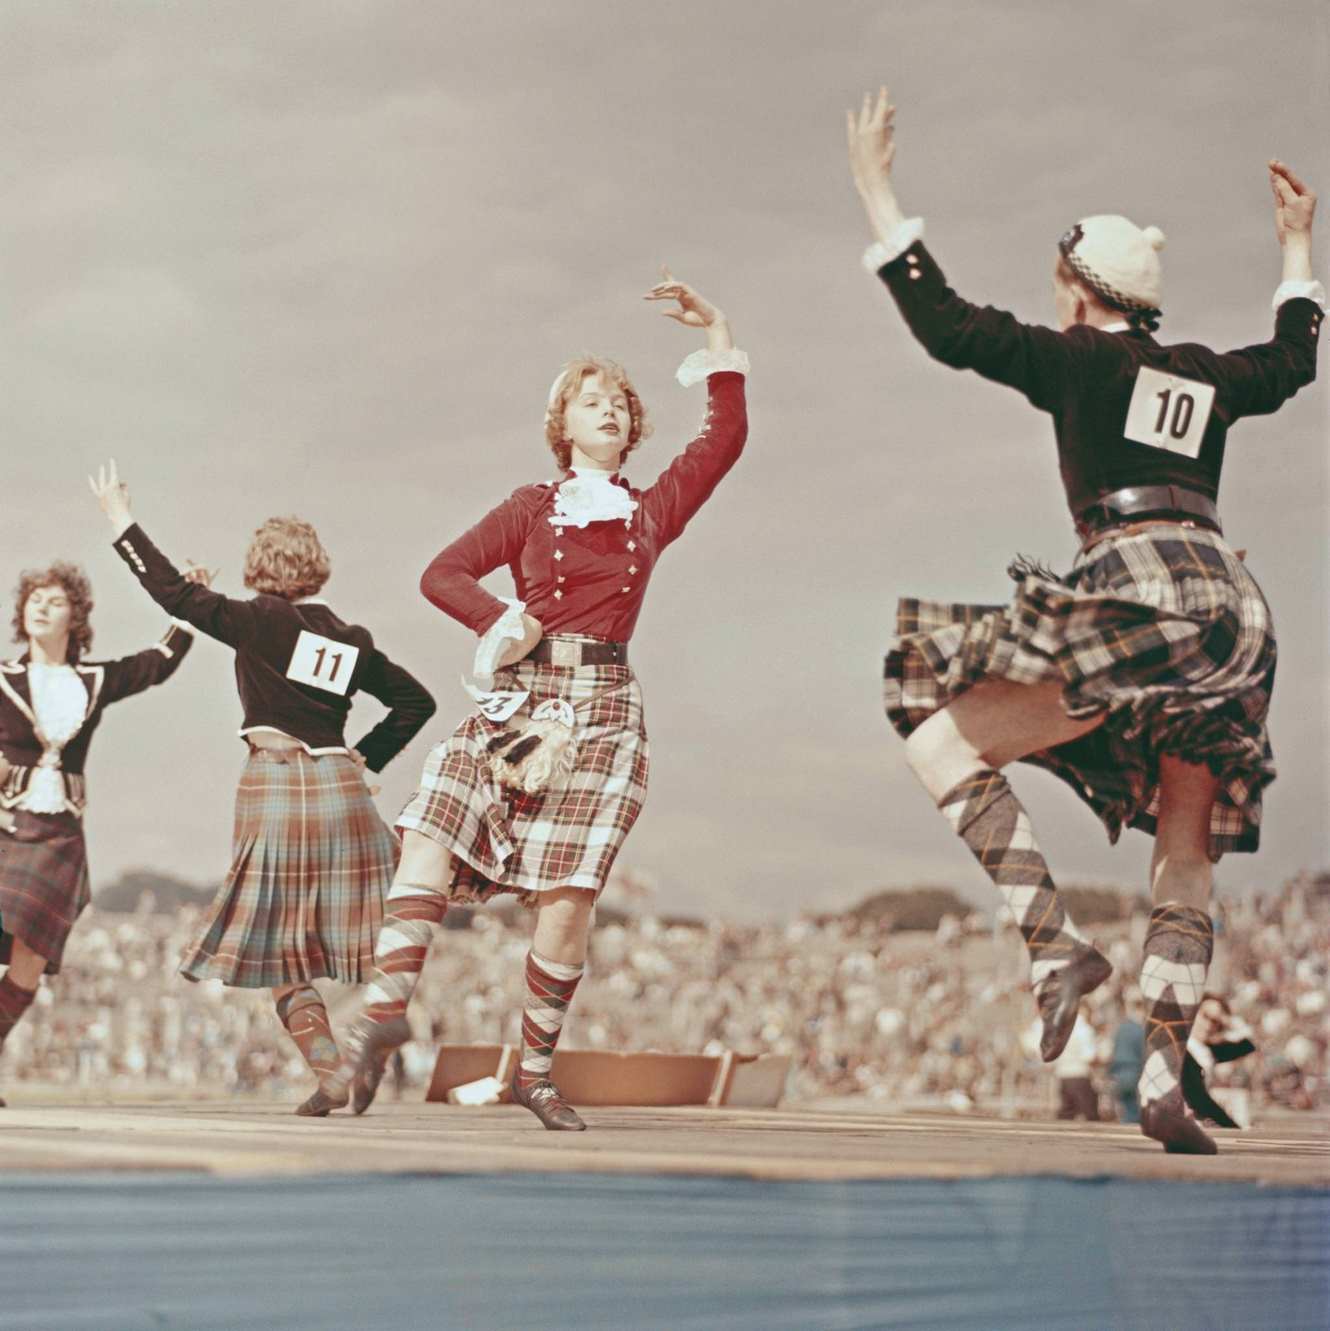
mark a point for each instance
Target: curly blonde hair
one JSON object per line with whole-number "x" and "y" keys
{"x": 287, "y": 559}
{"x": 74, "y": 583}
{"x": 569, "y": 380}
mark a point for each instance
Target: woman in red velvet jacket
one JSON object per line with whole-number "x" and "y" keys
{"x": 535, "y": 791}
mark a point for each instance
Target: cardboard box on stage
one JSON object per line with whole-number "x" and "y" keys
{"x": 601, "y": 1077}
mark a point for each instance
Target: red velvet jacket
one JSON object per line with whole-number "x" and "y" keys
{"x": 590, "y": 579}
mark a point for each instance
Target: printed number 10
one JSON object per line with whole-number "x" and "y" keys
{"x": 321, "y": 652}
{"x": 1183, "y": 406}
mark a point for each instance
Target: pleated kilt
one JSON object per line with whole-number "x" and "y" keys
{"x": 43, "y": 883}
{"x": 311, "y": 863}
{"x": 1163, "y": 628}
{"x": 504, "y": 841}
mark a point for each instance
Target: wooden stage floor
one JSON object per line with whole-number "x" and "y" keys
{"x": 236, "y": 1138}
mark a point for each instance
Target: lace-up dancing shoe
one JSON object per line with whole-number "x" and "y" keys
{"x": 321, "y": 1104}
{"x": 1059, "y": 997}
{"x": 1180, "y": 1133}
{"x": 542, "y": 1098}
{"x": 372, "y": 1058}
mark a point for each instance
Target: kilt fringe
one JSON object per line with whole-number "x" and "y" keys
{"x": 1164, "y": 630}
{"x": 567, "y": 835}
{"x": 311, "y": 863}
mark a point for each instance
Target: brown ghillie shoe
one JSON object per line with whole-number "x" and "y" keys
{"x": 321, "y": 1104}
{"x": 1059, "y": 997}
{"x": 542, "y": 1098}
{"x": 372, "y": 1057}
{"x": 1180, "y": 1133}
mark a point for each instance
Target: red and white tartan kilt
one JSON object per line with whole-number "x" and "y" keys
{"x": 1165, "y": 629}
{"x": 504, "y": 841}
{"x": 43, "y": 883}
{"x": 311, "y": 864}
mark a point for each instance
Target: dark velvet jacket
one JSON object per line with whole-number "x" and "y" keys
{"x": 106, "y": 682}
{"x": 1085, "y": 378}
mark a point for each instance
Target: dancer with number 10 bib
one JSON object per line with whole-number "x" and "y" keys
{"x": 312, "y": 859}
{"x": 1142, "y": 678}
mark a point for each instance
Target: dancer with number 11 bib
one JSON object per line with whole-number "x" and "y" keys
{"x": 312, "y": 860}
{"x": 1142, "y": 678}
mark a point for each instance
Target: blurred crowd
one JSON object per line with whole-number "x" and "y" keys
{"x": 907, "y": 1019}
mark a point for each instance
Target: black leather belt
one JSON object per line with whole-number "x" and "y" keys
{"x": 1137, "y": 502}
{"x": 573, "y": 652}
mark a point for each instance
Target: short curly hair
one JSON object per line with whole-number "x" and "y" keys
{"x": 569, "y": 380}
{"x": 287, "y": 559}
{"x": 72, "y": 580}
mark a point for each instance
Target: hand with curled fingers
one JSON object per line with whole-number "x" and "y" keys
{"x": 205, "y": 577}
{"x": 694, "y": 310}
{"x": 1295, "y": 202}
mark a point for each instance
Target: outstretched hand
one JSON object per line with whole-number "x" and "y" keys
{"x": 1295, "y": 202}
{"x": 113, "y": 495}
{"x": 872, "y": 142}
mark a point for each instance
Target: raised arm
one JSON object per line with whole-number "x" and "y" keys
{"x": 128, "y": 675}
{"x": 187, "y": 596}
{"x": 409, "y": 706}
{"x": 1040, "y": 362}
{"x": 1264, "y": 376}
{"x": 687, "y": 483}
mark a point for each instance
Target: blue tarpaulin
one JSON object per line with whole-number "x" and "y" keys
{"x": 352, "y": 1253}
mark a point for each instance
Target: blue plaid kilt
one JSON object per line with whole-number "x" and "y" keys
{"x": 311, "y": 863}
{"x": 1162, "y": 628}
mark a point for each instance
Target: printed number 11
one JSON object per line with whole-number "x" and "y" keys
{"x": 321, "y": 652}
{"x": 1183, "y": 407}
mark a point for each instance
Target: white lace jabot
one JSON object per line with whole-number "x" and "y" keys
{"x": 590, "y": 496}
{"x": 59, "y": 702}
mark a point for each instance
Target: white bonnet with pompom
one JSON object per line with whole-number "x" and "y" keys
{"x": 1118, "y": 260}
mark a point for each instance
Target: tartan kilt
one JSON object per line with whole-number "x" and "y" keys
{"x": 311, "y": 863}
{"x": 1164, "y": 629}
{"x": 505, "y": 841}
{"x": 43, "y": 883}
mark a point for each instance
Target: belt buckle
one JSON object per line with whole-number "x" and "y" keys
{"x": 567, "y": 655}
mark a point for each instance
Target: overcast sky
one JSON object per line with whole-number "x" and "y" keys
{"x": 325, "y": 258}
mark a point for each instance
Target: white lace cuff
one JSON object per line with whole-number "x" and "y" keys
{"x": 1292, "y": 290}
{"x": 183, "y": 626}
{"x": 507, "y": 628}
{"x": 699, "y": 364}
{"x": 902, "y": 236}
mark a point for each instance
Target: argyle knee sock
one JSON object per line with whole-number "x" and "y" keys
{"x": 14, "y": 1002}
{"x": 399, "y": 957}
{"x": 1178, "y": 946}
{"x": 302, "y": 1012}
{"x": 550, "y": 986}
{"x": 987, "y": 816}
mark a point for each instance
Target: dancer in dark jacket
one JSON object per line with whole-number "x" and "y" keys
{"x": 311, "y": 857}
{"x": 1143, "y": 676}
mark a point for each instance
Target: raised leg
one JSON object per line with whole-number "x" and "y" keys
{"x": 416, "y": 903}
{"x": 957, "y": 754}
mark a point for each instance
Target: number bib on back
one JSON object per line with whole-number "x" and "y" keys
{"x": 323, "y": 662}
{"x": 1169, "y": 412}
